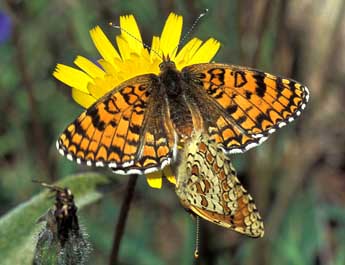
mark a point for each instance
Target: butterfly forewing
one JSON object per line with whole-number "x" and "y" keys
{"x": 125, "y": 128}
{"x": 207, "y": 185}
{"x": 253, "y": 104}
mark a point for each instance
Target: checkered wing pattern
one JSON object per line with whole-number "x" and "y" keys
{"x": 245, "y": 105}
{"x": 207, "y": 186}
{"x": 127, "y": 130}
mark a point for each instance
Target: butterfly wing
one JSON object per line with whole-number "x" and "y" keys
{"x": 207, "y": 185}
{"x": 125, "y": 130}
{"x": 248, "y": 104}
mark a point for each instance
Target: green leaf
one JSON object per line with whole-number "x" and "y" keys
{"x": 18, "y": 228}
{"x": 301, "y": 235}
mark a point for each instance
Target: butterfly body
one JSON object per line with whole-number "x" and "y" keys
{"x": 137, "y": 126}
{"x": 207, "y": 186}
{"x": 175, "y": 90}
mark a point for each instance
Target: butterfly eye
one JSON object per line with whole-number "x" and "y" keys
{"x": 166, "y": 64}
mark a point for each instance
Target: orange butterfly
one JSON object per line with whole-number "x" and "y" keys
{"x": 208, "y": 187}
{"x": 137, "y": 127}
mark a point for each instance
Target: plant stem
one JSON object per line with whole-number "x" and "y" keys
{"x": 121, "y": 222}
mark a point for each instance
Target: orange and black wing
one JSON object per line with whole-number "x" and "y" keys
{"x": 124, "y": 130}
{"x": 247, "y": 104}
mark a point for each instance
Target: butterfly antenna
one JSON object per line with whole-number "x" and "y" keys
{"x": 138, "y": 40}
{"x": 197, "y": 236}
{"x": 195, "y": 23}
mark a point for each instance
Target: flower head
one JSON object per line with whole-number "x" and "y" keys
{"x": 130, "y": 59}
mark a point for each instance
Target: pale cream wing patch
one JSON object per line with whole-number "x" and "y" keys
{"x": 207, "y": 185}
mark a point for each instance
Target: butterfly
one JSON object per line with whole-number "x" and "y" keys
{"x": 137, "y": 127}
{"x": 208, "y": 187}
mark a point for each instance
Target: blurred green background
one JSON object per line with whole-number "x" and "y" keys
{"x": 297, "y": 177}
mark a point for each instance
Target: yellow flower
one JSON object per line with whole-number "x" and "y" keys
{"x": 90, "y": 82}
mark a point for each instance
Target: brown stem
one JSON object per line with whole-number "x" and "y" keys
{"x": 121, "y": 222}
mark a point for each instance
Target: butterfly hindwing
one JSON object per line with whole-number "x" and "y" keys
{"x": 158, "y": 139}
{"x": 207, "y": 185}
{"x": 253, "y": 104}
{"x": 118, "y": 130}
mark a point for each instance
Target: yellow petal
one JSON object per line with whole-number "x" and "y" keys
{"x": 155, "y": 52}
{"x": 83, "y": 99}
{"x": 103, "y": 45}
{"x": 172, "y": 179}
{"x": 188, "y": 49}
{"x": 206, "y": 52}
{"x": 171, "y": 35}
{"x": 72, "y": 77}
{"x": 134, "y": 39}
{"x": 154, "y": 179}
{"x": 108, "y": 67}
{"x": 187, "y": 52}
{"x": 99, "y": 88}
{"x": 123, "y": 46}
{"x": 167, "y": 172}
{"x": 145, "y": 64}
{"x": 89, "y": 67}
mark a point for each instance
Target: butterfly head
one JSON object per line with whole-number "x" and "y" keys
{"x": 166, "y": 64}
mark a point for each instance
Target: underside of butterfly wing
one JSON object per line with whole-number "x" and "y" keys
{"x": 245, "y": 219}
{"x": 207, "y": 185}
